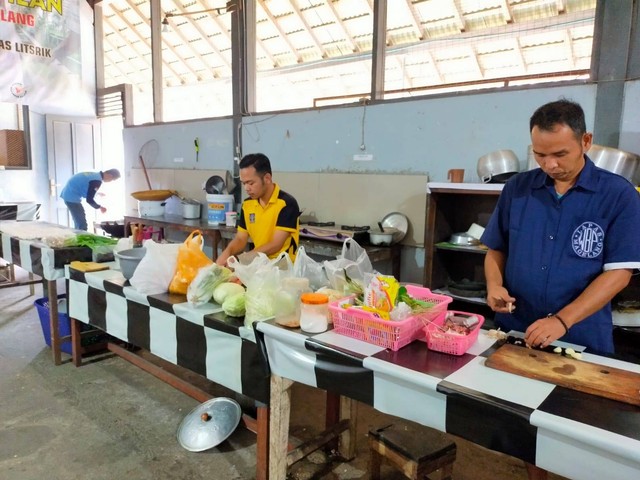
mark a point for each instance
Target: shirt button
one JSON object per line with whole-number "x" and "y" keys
{"x": 544, "y": 267}
{"x": 550, "y": 237}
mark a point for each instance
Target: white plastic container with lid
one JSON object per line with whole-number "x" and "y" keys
{"x": 314, "y": 312}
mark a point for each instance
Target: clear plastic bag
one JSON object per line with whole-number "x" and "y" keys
{"x": 262, "y": 277}
{"x": 306, "y": 267}
{"x": 353, "y": 263}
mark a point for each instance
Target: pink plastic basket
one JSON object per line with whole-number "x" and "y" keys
{"x": 449, "y": 342}
{"x": 365, "y": 326}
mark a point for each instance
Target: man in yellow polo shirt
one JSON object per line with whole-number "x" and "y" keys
{"x": 269, "y": 216}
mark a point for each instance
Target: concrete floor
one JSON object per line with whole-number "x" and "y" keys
{"x": 109, "y": 420}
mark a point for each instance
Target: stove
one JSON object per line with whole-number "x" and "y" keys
{"x": 330, "y": 232}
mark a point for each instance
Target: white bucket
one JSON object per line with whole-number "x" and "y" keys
{"x": 219, "y": 205}
{"x": 151, "y": 208}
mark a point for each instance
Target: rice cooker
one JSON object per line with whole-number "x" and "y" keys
{"x": 498, "y": 166}
{"x": 151, "y": 208}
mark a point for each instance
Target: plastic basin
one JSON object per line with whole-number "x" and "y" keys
{"x": 129, "y": 260}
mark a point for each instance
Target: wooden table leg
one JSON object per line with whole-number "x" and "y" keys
{"x": 262, "y": 444}
{"x": 279, "y": 410}
{"x": 76, "y": 343}
{"x": 347, "y": 444}
{"x": 52, "y": 293}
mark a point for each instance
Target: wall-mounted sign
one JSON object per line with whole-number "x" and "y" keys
{"x": 41, "y": 55}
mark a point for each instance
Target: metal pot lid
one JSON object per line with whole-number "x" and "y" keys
{"x": 209, "y": 424}
{"x": 400, "y": 222}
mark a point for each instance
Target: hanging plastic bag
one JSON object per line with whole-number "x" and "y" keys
{"x": 155, "y": 271}
{"x": 349, "y": 272}
{"x": 306, "y": 267}
{"x": 191, "y": 258}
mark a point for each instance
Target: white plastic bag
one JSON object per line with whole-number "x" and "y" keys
{"x": 156, "y": 269}
{"x": 353, "y": 262}
{"x": 262, "y": 278}
{"x": 306, "y": 267}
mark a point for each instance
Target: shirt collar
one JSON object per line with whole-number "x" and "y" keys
{"x": 275, "y": 194}
{"x": 586, "y": 178}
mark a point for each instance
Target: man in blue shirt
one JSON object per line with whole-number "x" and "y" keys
{"x": 85, "y": 185}
{"x": 563, "y": 240}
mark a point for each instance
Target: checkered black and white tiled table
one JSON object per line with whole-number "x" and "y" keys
{"x": 201, "y": 339}
{"x": 573, "y": 434}
{"x": 34, "y": 256}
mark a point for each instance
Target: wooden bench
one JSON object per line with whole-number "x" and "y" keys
{"x": 414, "y": 450}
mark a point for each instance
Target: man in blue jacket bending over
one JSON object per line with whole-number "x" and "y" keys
{"x": 85, "y": 185}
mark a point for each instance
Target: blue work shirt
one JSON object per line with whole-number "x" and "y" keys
{"x": 82, "y": 185}
{"x": 555, "y": 247}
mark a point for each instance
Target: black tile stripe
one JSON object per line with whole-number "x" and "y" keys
{"x": 15, "y": 251}
{"x": 1, "y": 247}
{"x": 36, "y": 259}
{"x": 97, "y": 302}
{"x": 63, "y": 256}
{"x": 254, "y": 372}
{"x": 224, "y": 323}
{"x": 116, "y": 287}
{"x": 344, "y": 375}
{"x": 416, "y": 356}
{"x": 77, "y": 275}
{"x": 611, "y": 415}
{"x": 138, "y": 324}
{"x": 166, "y": 301}
{"x": 490, "y": 422}
{"x": 192, "y": 346}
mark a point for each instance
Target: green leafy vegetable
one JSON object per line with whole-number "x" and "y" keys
{"x": 90, "y": 240}
{"x": 234, "y": 306}
{"x": 226, "y": 290}
{"x": 415, "y": 304}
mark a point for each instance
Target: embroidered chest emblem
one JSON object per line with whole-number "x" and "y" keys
{"x": 252, "y": 218}
{"x": 588, "y": 240}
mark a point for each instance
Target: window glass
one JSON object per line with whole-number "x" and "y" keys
{"x": 311, "y": 52}
{"x": 127, "y": 53}
{"x": 196, "y": 59}
{"x": 440, "y": 45}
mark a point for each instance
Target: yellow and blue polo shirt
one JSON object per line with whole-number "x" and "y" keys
{"x": 280, "y": 213}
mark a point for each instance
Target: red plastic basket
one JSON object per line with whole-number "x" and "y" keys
{"x": 365, "y": 326}
{"x": 449, "y": 342}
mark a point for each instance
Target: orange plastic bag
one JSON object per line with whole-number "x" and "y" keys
{"x": 191, "y": 258}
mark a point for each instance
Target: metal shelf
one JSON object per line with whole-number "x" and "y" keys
{"x": 474, "y": 300}
{"x": 461, "y": 248}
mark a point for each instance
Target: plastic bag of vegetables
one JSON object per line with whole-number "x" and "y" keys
{"x": 201, "y": 289}
{"x": 262, "y": 278}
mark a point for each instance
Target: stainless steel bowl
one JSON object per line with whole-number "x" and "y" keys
{"x": 616, "y": 161}
{"x": 497, "y": 166}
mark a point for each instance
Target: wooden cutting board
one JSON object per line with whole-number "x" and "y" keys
{"x": 600, "y": 380}
{"x": 88, "y": 266}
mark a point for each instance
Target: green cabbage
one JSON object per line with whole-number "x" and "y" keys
{"x": 234, "y": 306}
{"x": 226, "y": 290}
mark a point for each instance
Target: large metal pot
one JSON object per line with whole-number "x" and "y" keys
{"x": 616, "y": 161}
{"x": 498, "y": 166}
